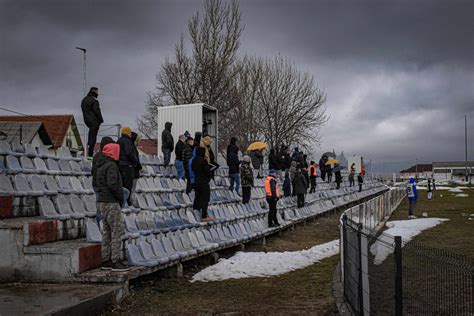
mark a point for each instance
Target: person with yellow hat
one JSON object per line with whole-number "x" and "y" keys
{"x": 128, "y": 159}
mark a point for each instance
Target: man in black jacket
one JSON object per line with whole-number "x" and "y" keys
{"x": 92, "y": 118}
{"x": 233, "y": 164}
{"x": 105, "y": 140}
{"x": 128, "y": 159}
{"x": 167, "y": 143}
{"x": 178, "y": 151}
{"x": 187, "y": 154}
{"x": 109, "y": 187}
{"x": 202, "y": 176}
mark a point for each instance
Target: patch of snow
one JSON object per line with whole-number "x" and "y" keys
{"x": 455, "y": 190}
{"x": 462, "y": 195}
{"x": 261, "y": 264}
{"x": 407, "y": 229}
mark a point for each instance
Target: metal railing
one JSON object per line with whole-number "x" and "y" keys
{"x": 411, "y": 279}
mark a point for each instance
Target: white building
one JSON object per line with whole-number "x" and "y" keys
{"x": 453, "y": 170}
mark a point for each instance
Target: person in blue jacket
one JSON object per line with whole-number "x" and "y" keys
{"x": 412, "y": 195}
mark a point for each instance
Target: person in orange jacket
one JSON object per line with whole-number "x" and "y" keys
{"x": 312, "y": 176}
{"x": 272, "y": 195}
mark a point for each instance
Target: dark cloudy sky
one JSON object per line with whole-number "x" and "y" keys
{"x": 399, "y": 75}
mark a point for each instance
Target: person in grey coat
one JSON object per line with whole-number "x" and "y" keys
{"x": 257, "y": 162}
{"x": 300, "y": 185}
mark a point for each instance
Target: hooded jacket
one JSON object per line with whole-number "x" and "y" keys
{"x": 167, "y": 141}
{"x": 412, "y": 193}
{"x": 91, "y": 111}
{"x": 299, "y": 183}
{"x": 233, "y": 156}
{"x": 105, "y": 140}
{"x": 257, "y": 158}
{"x": 108, "y": 179}
{"x": 200, "y": 167}
{"x": 246, "y": 174}
{"x": 128, "y": 152}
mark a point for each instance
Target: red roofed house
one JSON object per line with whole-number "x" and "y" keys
{"x": 62, "y": 129}
{"x": 424, "y": 171}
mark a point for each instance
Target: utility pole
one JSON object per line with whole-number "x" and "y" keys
{"x": 465, "y": 145}
{"x": 85, "y": 67}
{"x": 416, "y": 168}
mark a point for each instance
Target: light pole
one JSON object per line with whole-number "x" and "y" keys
{"x": 85, "y": 69}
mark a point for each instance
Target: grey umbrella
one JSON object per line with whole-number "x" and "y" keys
{"x": 338, "y": 168}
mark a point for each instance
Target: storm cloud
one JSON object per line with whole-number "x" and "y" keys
{"x": 399, "y": 75}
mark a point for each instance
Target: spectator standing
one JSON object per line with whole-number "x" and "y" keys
{"x": 312, "y": 176}
{"x": 178, "y": 162}
{"x": 299, "y": 187}
{"x": 293, "y": 170}
{"x": 285, "y": 158}
{"x": 202, "y": 177}
{"x": 105, "y": 140}
{"x": 329, "y": 173}
{"x": 360, "y": 180}
{"x": 273, "y": 161}
{"x": 322, "y": 166}
{"x": 434, "y": 187}
{"x": 429, "y": 190}
{"x": 412, "y": 195}
{"x": 272, "y": 197}
{"x": 246, "y": 174}
{"x": 128, "y": 159}
{"x": 167, "y": 143}
{"x": 135, "y": 140}
{"x": 287, "y": 184}
{"x": 338, "y": 176}
{"x": 351, "y": 178}
{"x": 92, "y": 118}
{"x": 186, "y": 156}
{"x": 109, "y": 186}
{"x": 257, "y": 162}
{"x": 233, "y": 164}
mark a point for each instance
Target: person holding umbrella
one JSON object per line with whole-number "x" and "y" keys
{"x": 256, "y": 155}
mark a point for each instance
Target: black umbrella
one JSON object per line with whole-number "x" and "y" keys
{"x": 329, "y": 154}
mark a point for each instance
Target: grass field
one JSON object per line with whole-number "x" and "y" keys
{"x": 305, "y": 291}
{"x": 455, "y": 235}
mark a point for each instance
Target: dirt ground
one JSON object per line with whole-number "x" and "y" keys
{"x": 302, "y": 292}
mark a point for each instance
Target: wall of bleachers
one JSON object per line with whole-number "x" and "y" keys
{"x": 161, "y": 227}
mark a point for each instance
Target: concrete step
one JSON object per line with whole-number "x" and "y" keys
{"x": 59, "y": 299}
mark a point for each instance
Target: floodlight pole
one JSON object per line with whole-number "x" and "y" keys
{"x": 84, "y": 51}
{"x": 465, "y": 145}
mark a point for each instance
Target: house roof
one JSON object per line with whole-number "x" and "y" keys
{"x": 56, "y": 125}
{"x": 418, "y": 168}
{"x": 148, "y": 146}
{"x": 24, "y": 132}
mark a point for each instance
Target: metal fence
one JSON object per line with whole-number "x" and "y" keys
{"x": 384, "y": 275}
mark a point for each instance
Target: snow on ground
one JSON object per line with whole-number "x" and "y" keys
{"x": 456, "y": 190}
{"x": 407, "y": 229}
{"x": 462, "y": 195}
{"x": 450, "y": 189}
{"x": 264, "y": 264}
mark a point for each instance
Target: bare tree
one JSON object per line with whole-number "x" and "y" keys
{"x": 290, "y": 103}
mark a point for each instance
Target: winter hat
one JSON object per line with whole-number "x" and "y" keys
{"x": 125, "y": 130}
{"x": 246, "y": 159}
{"x": 187, "y": 134}
{"x": 112, "y": 151}
{"x": 106, "y": 140}
{"x": 272, "y": 172}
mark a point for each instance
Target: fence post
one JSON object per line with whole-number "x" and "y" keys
{"x": 342, "y": 246}
{"x": 398, "y": 277}
{"x": 360, "y": 289}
